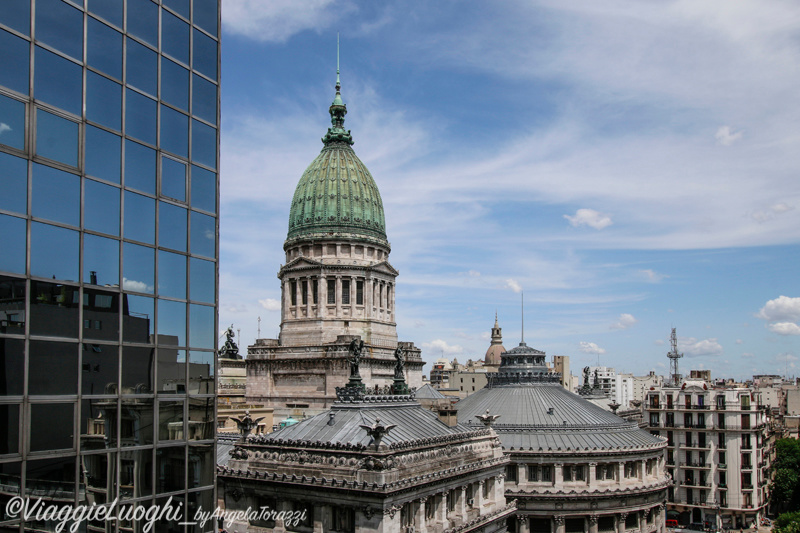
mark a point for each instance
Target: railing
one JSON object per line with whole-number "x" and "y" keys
{"x": 723, "y": 466}
{"x": 747, "y": 486}
{"x": 747, "y": 466}
{"x": 695, "y": 464}
{"x": 722, "y": 486}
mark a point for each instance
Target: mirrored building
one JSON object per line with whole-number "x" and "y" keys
{"x": 109, "y": 115}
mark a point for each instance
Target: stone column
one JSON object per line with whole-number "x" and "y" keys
{"x": 592, "y": 477}
{"x": 643, "y": 520}
{"x": 322, "y": 518}
{"x": 322, "y": 296}
{"x": 287, "y": 299}
{"x": 309, "y": 295}
{"x": 499, "y": 488}
{"x": 353, "y": 282}
{"x": 593, "y": 523}
{"x": 338, "y": 293}
{"x": 642, "y": 469}
{"x": 559, "y": 519}
{"x": 661, "y": 519}
{"x": 286, "y": 507}
{"x": 391, "y": 519}
{"x": 479, "y": 496}
{"x": 621, "y": 522}
{"x": 522, "y": 524}
{"x": 558, "y": 474}
{"x": 441, "y": 511}
{"x": 419, "y": 520}
{"x": 461, "y": 504}
{"x": 368, "y": 296}
{"x": 621, "y": 472}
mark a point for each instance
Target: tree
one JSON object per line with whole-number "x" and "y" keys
{"x": 787, "y": 523}
{"x": 785, "y": 489}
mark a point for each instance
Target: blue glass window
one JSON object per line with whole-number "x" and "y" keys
{"x": 54, "y": 252}
{"x": 103, "y": 101}
{"x": 204, "y": 235}
{"x": 171, "y": 226}
{"x": 140, "y": 167}
{"x": 182, "y": 7}
{"x": 204, "y": 189}
{"x": 101, "y": 207}
{"x": 205, "y": 55}
{"x": 101, "y": 256}
{"x": 171, "y": 275}
{"x": 14, "y": 235}
{"x": 174, "y": 37}
{"x": 201, "y": 326}
{"x": 202, "y": 284}
{"x": 58, "y": 81}
{"x": 143, "y": 20}
{"x": 171, "y": 323}
{"x": 174, "y": 131}
{"x": 14, "y": 184}
{"x": 174, "y": 84}
{"x": 103, "y": 154}
{"x": 138, "y": 268}
{"x": 47, "y": 360}
{"x": 56, "y": 138}
{"x": 15, "y": 52}
{"x": 142, "y": 67}
{"x": 104, "y": 48}
{"x": 204, "y": 99}
{"x": 56, "y": 195}
{"x": 140, "y": 218}
{"x": 16, "y": 14}
{"x": 173, "y": 179}
{"x": 12, "y": 122}
{"x": 140, "y": 116}
{"x": 205, "y": 15}
{"x": 204, "y": 144}
{"x": 142, "y": 321}
{"x": 61, "y": 26}
{"x": 111, "y": 10}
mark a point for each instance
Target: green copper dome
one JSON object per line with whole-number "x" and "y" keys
{"x": 336, "y": 196}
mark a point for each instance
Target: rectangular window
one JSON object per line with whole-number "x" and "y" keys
{"x": 331, "y": 292}
{"x": 533, "y": 473}
{"x": 359, "y": 292}
{"x": 746, "y": 421}
{"x": 511, "y": 473}
{"x": 345, "y": 292}
{"x": 630, "y": 469}
{"x": 315, "y": 291}
{"x": 701, "y": 440}
{"x": 293, "y": 289}
{"x": 567, "y": 473}
{"x": 670, "y": 420}
{"x": 701, "y": 420}
{"x": 654, "y": 401}
{"x": 721, "y": 440}
{"x": 723, "y": 478}
{"x": 720, "y": 421}
{"x": 721, "y": 402}
{"x": 669, "y": 402}
{"x": 746, "y": 442}
{"x": 722, "y": 458}
{"x": 687, "y": 420}
{"x": 304, "y": 288}
{"x": 654, "y": 419}
{"x": 580, "y": 474}
{"x": 547, "y": 473}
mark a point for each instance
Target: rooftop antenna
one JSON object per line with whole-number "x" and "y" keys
{"x": 522, "y": 305}
{"x": 259, "y": 327}
{"x": 674, "y": 355}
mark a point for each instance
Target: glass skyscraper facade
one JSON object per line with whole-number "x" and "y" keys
{"x": 109, "y": 117}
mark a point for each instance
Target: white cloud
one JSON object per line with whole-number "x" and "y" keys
{"x": 651, "y": 275}
{"x": 748, "y": 355}
{"x": 782, "y": 308}
{"x": 692, "y": 347}
{"x": 4, "y": 128}
{"x": 277, "y": 20}
{"x": 589, "y": 217}
{"x": 739, "y": 341}
{"x": 138, "y": 286}
{"x": 270, "y": 304}
{"x": 726, "y": 137}
{"x": 592, "y": 348}
{"x": 764, "y": 215}
{"x": 513, "y": 285}
{"x": 439, "y": 347}
{"x": 625, "y": 321}
{"x": 474, "y": 273}
{"x": 786, "y": 357}
{"x": 785, "y": 328}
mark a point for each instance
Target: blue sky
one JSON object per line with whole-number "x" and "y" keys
{"x": 631, "y": 166}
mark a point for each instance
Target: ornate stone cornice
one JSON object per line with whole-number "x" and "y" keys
{"x": 484, "y": 519}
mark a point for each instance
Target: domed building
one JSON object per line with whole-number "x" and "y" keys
{"x": 575, "y": 467}
{"x": 337, "y": 285}
{"x": 496, "y": 348}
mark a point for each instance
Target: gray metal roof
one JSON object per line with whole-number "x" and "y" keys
{"x": 225, "y": 443}
{"x": 426, "y": 392}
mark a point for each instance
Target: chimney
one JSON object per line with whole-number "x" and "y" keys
{"x": 449, "y": 416}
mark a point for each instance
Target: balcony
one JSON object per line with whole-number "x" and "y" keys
{"x": 695, "y": 445}
{"x": 747, "y": 486}
{"x": 722, "y": 466}
{"x": 747, "y": 466}
{"x": 695, "y": 464}
{"x": 695, "y": 483}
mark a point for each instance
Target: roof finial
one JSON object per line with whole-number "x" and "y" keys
{"x": 338, "y": 83}
{"x": 522, "y": 304}
{"x": 337, "y": 133}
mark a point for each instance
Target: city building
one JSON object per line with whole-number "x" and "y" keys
{"x": 109, "y": 119}
{"x": 337, "y": 285}
{"x": 719, "y": 450}
{"x": 496, "y": 348}
{"x": 575, "y": 467}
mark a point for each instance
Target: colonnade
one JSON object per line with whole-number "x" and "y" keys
{"x": 649, "y": 520}
{"x": 326, "y": 295}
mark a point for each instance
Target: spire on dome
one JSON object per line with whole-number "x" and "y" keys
{"x": 337, "y": 133}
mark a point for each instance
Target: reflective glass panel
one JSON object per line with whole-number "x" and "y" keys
{"x": 170, "y": 469}
{"x": 100, "y": 315}
{"x": 61, "y": 26}
{"x": 12, "y": 360}
{"x": 173, "y": 179}
{"x": 43, "y": 475}
{"x": 103, "y": 101}
{"x": 182, "y": 7}
{"x": 202, "y": 278}
{"x": 204, "y": 99}
{"x": 204, "y": 235}
{"x": 14, "y": 52}
{"x": 143, "y": 20}
{"x": 100, "y": 207}
{"x": 54, "y": 309}
{"x": 204, "y": 189}
{"x": 204, "y": 144}
{"x": 104, "y": 48}
{"x": 202, "y": 368}
{"x": 99, "y": 369}
{"x": 138, "y": 319}
{"x": 171, "y": 323}
{"x": 142, "y": 67}
{"x": 56, "y": 138}
{"x": 14, "y": 185}
{"x": 205, "y": 15}
{"x": 138, "y": 271}
{"x": 54, "y": 252}
{"x": 13, "y": 257}
{"x": 52, "y": 426}
{"x": 138, "y": 369}
{"x": 201, "y": 326}
{"x": 140, "y": 116}
{"x": 53, "y": 369}
{"x": 171, "y": 370}
{"x": 140, "y": 167}
{"x": 170, "y": 427}
{"x": 101, "y": 257}
{"x": 58, "y": 81}
{"x": 135, "y": 478}
{"x": 9, "y": 418}
{"x": 56, "y": 195}
{"x": 17, "y": 14}
{"x": 100, "y": 469}
{"x": 171, "y": 275}
{"x": 12, "y": 294}
{"x": 174, "y": 84}
{"x": 140, "y": 218}
{"x": 174, "y": 131}
{"x": 205, "y": 55}
{"x": 201, "y": 417}
{"x": 174, "y": 37}
{"x": 12, "y": 122}
{"x": 172, "y": 226}
{"x": 111, "y": 10}
{"x": 103, "y": 154}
